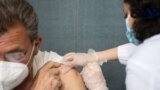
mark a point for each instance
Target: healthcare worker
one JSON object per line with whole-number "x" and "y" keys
{"x": 141, "y": 56}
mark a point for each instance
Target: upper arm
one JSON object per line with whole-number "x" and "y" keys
{"x": 72, "y": 80}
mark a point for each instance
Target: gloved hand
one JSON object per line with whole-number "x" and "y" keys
{"x": 93, "y": 77}
{"x": 79, "y": 59}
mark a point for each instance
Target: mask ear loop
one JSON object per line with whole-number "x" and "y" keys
{"x": 31, "y": 53}
{"x": 26, "y": 65}
{"x": 31, "y": 57}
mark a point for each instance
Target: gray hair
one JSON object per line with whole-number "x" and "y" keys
{"x": 18, "y": 11}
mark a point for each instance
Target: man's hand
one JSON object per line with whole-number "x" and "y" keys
{"x": 48, "y": 77}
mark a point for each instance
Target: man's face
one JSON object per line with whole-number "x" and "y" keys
{"x": 15, "y": 44}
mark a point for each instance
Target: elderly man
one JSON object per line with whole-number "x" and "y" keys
{"x": 22, "y": 65}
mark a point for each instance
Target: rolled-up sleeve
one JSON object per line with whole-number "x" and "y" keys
{"x": 43, "y": 57}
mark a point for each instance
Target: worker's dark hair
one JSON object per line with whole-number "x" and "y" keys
{"x": 14, "y": 12}
{"x": 147, "y": 17}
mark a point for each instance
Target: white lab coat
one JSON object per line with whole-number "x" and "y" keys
{"x": 142, "y": 64}
{"x": 42, "y": 58}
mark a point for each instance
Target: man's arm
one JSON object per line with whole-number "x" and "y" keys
{"x": 71, "y": 80}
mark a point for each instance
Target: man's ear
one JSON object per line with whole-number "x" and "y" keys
{"x": 37, "y": 42}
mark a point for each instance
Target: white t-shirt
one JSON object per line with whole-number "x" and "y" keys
{"x": 143, "y": 64}
{"x": 43, "y": 57}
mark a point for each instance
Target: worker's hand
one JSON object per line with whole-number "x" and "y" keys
{"x": 93, "y": 77}
{"x": 79, "y": 59}
{"x": 48, "y": 77}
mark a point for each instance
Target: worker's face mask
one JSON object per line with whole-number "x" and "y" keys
{"x": 130, "y": 33}
{"x": 13, "y": 73}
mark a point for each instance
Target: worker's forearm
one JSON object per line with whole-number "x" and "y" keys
{"x": 109, "y": 55}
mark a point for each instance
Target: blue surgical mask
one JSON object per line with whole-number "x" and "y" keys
{"x": 131, "y": 35}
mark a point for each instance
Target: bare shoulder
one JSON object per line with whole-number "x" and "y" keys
{"x": 72, "y": 80}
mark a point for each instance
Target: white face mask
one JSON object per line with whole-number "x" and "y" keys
{"x": 12, "y": 73}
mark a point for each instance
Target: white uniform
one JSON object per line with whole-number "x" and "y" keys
{"x": 43, "y": 57}
{"x": 143, "y": 64}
